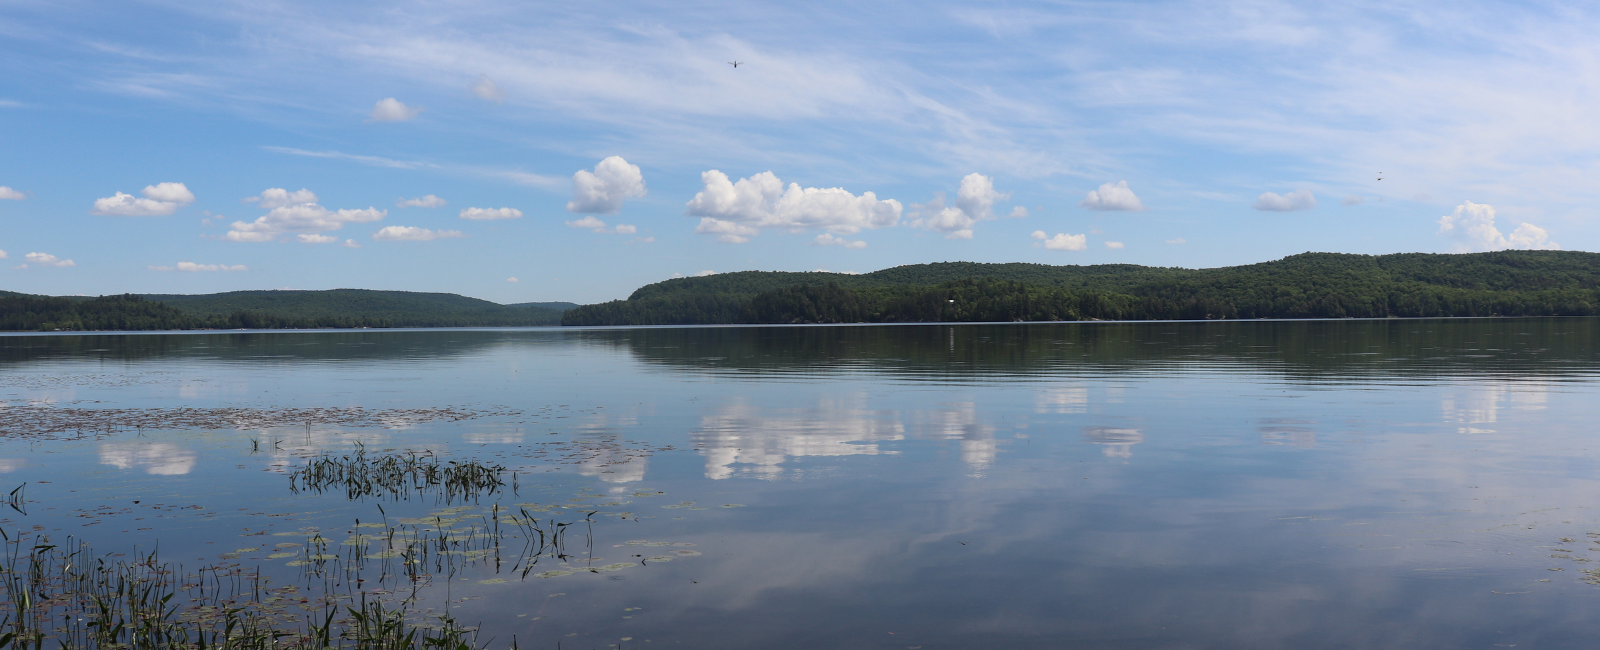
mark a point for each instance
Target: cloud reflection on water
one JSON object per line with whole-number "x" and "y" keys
{"x": 740, "y": 433}
{"x": 158, "y": 458}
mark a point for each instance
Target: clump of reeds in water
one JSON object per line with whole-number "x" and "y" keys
{"x": 397, "y": 476}
{"x": 69, "y": 598}
{"x": 359, "y": 594}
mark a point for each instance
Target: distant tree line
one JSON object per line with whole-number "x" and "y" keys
{"x": 129, "y": 312}
{"x": 1510, "y": 283}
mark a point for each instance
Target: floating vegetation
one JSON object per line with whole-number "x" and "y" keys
{"x": 397, "y": 476}
{"x": 47, "y": 421}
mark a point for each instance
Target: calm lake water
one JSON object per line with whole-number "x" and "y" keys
{"x": 1376, "y": 484}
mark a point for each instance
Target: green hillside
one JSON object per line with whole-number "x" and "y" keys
{"x": 365, "y": 308}
{"x": 1310, "y": 285}
{"x": 267, "y": 310}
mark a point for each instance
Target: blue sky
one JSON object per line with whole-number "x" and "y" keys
{"x": 587, "y": 148}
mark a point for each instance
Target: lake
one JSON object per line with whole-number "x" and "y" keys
{"x": 1334, "y": 484}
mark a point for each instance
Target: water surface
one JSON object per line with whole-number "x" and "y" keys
{"x": 1385, "y": 484}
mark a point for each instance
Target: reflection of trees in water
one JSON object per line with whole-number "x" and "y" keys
{"x": 267, "y": 347}
{"x": 1305, "y": 350}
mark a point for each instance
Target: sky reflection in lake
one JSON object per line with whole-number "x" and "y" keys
{"x": 1255, "y": 484}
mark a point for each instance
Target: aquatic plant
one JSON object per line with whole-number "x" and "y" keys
{"x": 397, "y": 476}
{"x": 70, "y": 597}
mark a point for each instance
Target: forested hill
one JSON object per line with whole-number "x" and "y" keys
{"x": 1310, "y": 285}
{"x": 267, "y": 310}
{"x": 364, "y": 308}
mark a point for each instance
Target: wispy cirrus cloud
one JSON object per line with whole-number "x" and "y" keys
{"x": 376, "y": 161}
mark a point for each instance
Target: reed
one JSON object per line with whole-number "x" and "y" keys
{"x": 397, "y": 476}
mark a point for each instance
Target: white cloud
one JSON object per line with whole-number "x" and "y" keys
{"x": 291, "y": 213}
{"x": 705, "y": 273}
{"x": 826, "y": 239}
{"x": 191, "y": 267}
{"x": 429, "y": 201}
{"x": 603, "y": 190}
{"x": 1060, "y": 242}
{"x": 3, "y": 255}
{"x": 278, "y": 197}
{"x": 591, "y": 223}
{"x": 1353, "y": 199}
{"x": 488, "y": 214}
{"x": 737, "y": 211}
{"x": 1296, "y": 200}
{"x": 486, "y": 89}
{"x": 1179, "y": 240}
{"x": 390, "y": 109}
{"x": 512, "y": 279}
{"x": 409, "y": 233}
{"x": 1114, "y": 245}
{"x": 160, "y": 199}
{"x": 726, "y": 231}
{"x": 9, "y": 194}
{"x": 376, "y": 161}
{"x": 169, "y": 193}
{"x": 350, "y": 243}
{"x": 46, "y": 259}
{"x": 1110, "y": 198}
{"x": 975, "y": 200}
{"x": 587, "y": 222}
{"x": 1472, "y": 227}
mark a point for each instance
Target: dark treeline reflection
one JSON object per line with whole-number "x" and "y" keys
{"x": 320, "y": 346}
{"x": 1309, "y": 350}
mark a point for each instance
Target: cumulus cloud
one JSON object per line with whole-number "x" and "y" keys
{"x": 350, "y": 243}
{"x": 46, "y": 259}
{"x": 291, "y": 213}
{"x": 390, "y": 109}
{"x": 488, "y": 214}
{"x": 159, "y": 200}
{"x": 278, "y": 197}
{"x": 1061, "y": 242}
{"x": 603, "y": 190}
{"x": 429, "y": 201}
{"x": 3, "y": 255}
{"x": 975, "y": 199}
{"x": 1296, "y": 200}
{"x": 1114, "y": 245}
{"x": 1179, "y": 240}
{"x": 512, "y": 279}
{"x": 592, "y": 223}
{"x": 1353, "y": 199}
{"x": 737, "y": 211}
{"x": 306, "y": 238}
{"x": 1472, "y": 228}
{"x": 409, "y": 233}
{"x": 826, "y": 239}
{"x": 486, "y": 89}
{"x": 9, "y": 194}
{"x": 191, "y": 267}
{"x": 1112, "y": 198}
